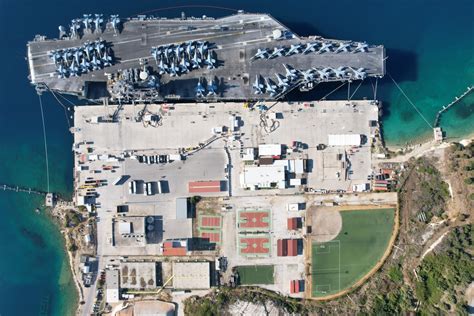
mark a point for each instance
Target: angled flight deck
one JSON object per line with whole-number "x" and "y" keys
{"x": 238, "y": 57}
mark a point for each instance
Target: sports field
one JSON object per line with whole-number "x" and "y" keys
{"x": 341, "y": 262}
{"x": 256, "y": 274}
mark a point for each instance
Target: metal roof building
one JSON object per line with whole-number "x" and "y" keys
{"x": 344, "y": 140}
{"x": 191, "y": 275}
{"x": 113, "y": 288}
{"x": 181, "y": 208}
{"x": 263, "y": 177}
{"x": 269, "y": 150}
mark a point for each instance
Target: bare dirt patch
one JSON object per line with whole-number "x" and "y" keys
{"x": 326, "y": 224}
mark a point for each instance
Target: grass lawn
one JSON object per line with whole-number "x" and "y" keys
{"x": 341, "y": 262}
{"x": 256, "y": 274}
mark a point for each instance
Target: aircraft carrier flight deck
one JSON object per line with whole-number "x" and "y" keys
{"x": 238, "y": 57}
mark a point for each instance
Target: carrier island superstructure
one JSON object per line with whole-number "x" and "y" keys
{"x": 238, "y": 57}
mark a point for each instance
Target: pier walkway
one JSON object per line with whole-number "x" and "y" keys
{"x": 446, "y": 107}
{"x": 16, "y": 188}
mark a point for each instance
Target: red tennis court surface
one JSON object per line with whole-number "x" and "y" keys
{"x": 204, "y": 186}
{"x": 213, "y": 237}
{"x": 254, "y": 220}
{"x": 254, "y": 245}
{"x": 210, "y": 221}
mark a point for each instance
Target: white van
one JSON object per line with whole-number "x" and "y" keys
{"x": 160, "y": 190}
{"x": 149, "y": 188}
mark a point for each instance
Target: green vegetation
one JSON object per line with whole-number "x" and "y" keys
{"x": 426, "y": 191}
{"x": 195, "y": 199}
{"x": 462, "y": 161}
{"x": 444, "y": 276}
{"x": 72, "y": 219}
{"x": 256, "y": 274}
{"x": 364, "y": 237}
{"x": 216, "y": 302}
{"x": 395, "y": 274}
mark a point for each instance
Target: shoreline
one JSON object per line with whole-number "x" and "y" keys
{"x": 54, "y": 215}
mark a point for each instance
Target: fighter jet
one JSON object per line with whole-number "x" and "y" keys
{"x": 74, "y": 69}
{"x": 257, "y": 85}
{"x": 326, "y": 47}
{"x": 211, "y": 88}
{"x": 282, "y": 81}
{"x": 361, "y": 47}
{"x": 163, "y": 68}
{"x": 89, "y": 50}
{"x": 115, "y": 21}
{"x": 173, "y": 69}
{"x": 261, "y": 54}
{"x": 87, "y": 20}
{"x": 107, "y": 59}
{"x": 177, "y": 51}
{"x": 184, "y": 65}
{"x": 96, "y": 63}
{"x": 308, "y": 75}
{"x": 85, "y": 65}
{"x": 291, "y": 73}
{"x": 324, "y": 73}
{"x": 270, "y": 87}
{"x": 98, "y": 22}
{"x": 340, "y": 72}
{"x": 155, "y": 53}
{"x": 99, "y": 47}
{"x": 62, "y": 72}
{"x": 210, "y": 62}
{"x": 359, "y": 73}
{"x": 67, "y": 54}
{"x": 343, "y": 47}
{"x": 200, "y": 89}
{"x": 189, "y": 49}
{"x": 167, "y": 49}
{"x": 294, "y": 49}
{"x": 202, "y": 49}
{"x": 55, "y": 56}
{"x": 277, "y": 52}
{"x": 77, "y": 56}
{"x": 196, "y": 61}
{"x": 310, "y": 47}
{"x": 75, "y": 26}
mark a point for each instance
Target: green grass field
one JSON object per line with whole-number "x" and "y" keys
{"x": 256, "y": 274}
{"x": 341, "y": 262}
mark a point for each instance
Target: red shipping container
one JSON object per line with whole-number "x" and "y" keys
{"x": 292, "y": 287}
{"x": 292, "y": 247}
{"x": 280, "y": 248}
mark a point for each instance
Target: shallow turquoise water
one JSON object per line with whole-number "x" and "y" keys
{"x": 431, "y": 54}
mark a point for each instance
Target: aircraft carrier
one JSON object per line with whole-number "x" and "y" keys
{"x": 148, "y": 59}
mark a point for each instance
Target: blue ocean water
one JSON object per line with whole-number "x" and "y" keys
{"x": 430, "y": 44}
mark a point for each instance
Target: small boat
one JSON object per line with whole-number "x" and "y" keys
{"x": 37, "y": 210}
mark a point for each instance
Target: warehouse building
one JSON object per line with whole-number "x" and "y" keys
{"x": 113, "y": 289}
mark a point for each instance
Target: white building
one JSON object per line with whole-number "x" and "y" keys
{"x": 291, "y": 165}
{"x": 344, "y": 140}
{"x": 112, "y": 284}
{"x": 269, "y": 150}
{"x": 266, "y": 176}
{"x": 249, "y": 154}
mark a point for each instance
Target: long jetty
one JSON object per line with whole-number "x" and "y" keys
{"x": 16, "y": 188}
{"x": 446, "y": 107}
